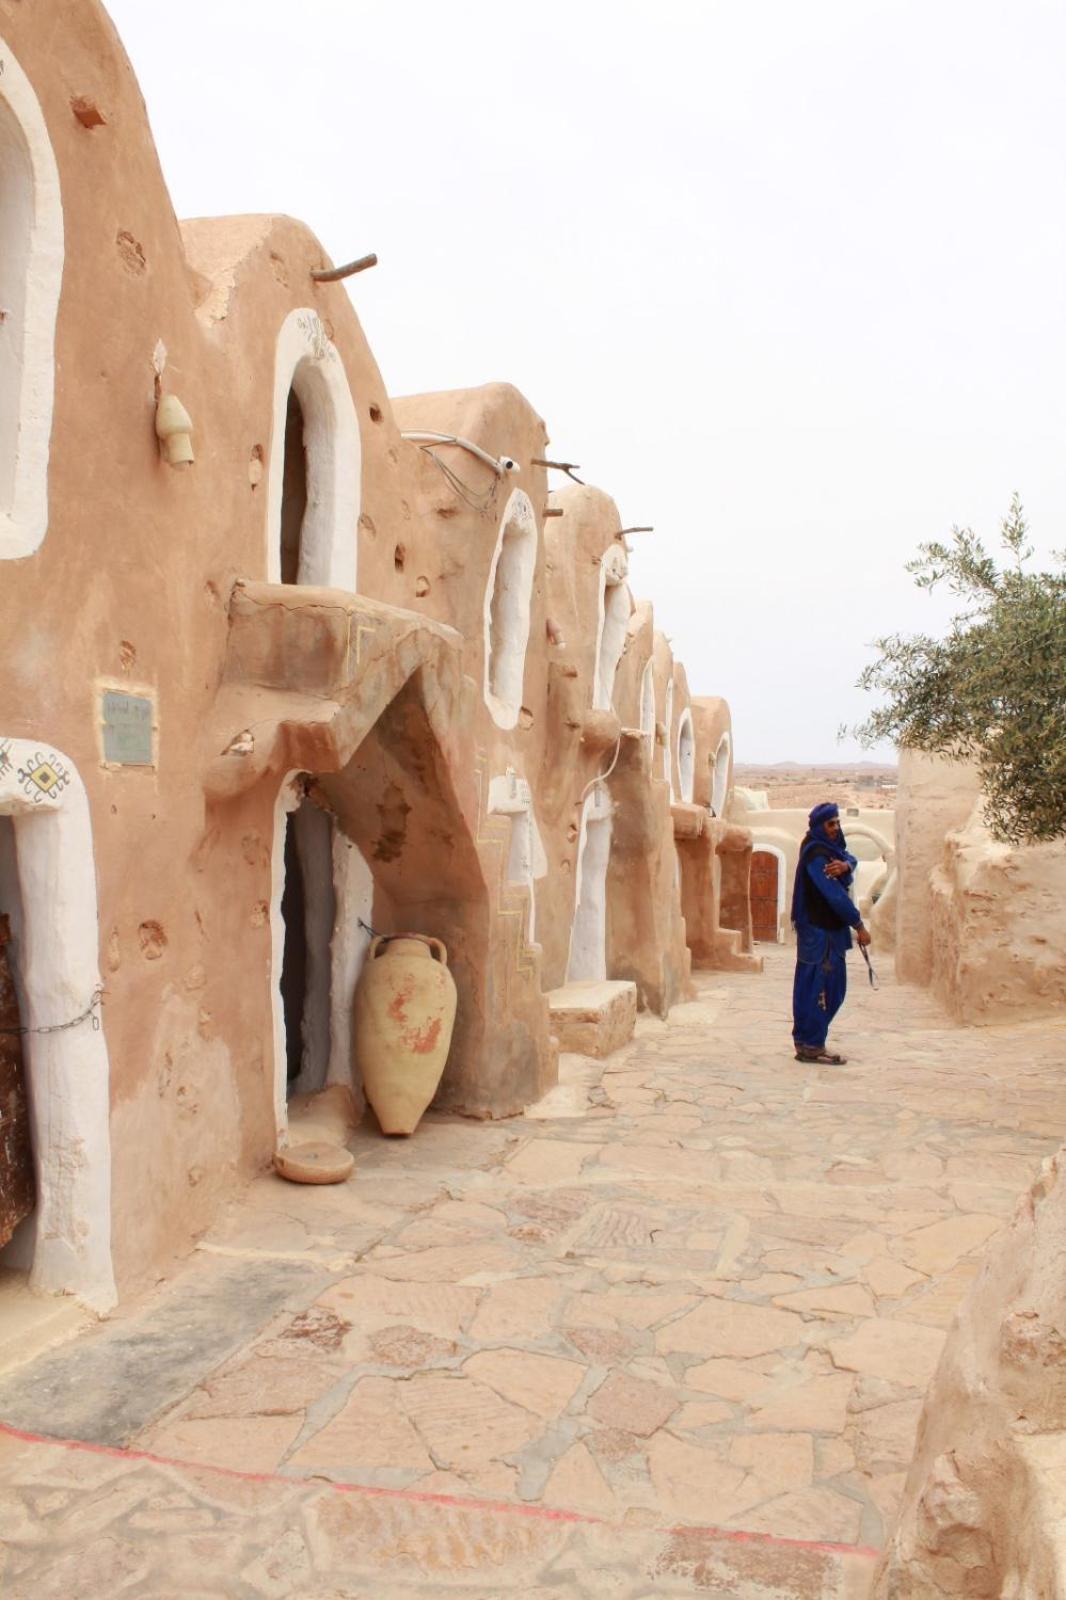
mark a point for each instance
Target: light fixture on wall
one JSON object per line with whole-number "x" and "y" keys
{"x": 173, "y": 427}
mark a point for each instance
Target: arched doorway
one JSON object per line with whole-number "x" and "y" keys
{"x": 315, "y": 476}
{"x": 767, "y": 892}
{"x": 588, "y": 935}
{"x": 48, "y": 881}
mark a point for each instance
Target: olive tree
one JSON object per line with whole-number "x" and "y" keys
{"x": 994, "y": 689}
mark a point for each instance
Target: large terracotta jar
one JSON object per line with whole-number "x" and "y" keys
{"x": 402, "y": 1026}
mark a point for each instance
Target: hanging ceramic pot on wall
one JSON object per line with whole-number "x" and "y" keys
{"x": 402, "y": 1026}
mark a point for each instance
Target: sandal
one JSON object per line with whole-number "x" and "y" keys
{"x": 825, "y": 1058}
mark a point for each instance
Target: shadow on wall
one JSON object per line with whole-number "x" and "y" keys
{"x": 395, "y": 800}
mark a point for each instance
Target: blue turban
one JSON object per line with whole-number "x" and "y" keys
{"x": 818, "y": 842}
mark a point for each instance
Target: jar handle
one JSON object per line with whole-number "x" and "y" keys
{"x": 440, "y": 947}
{"x": 376, "y": 943}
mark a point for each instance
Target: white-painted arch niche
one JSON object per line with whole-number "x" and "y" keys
{"x": 508, "y": 608}
{"x": 315, "y": 478}
{"x": 31, "y": 272}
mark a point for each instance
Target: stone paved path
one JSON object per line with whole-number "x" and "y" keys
{"x": 669, "y": 1333}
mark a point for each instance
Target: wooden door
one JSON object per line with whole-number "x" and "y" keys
{"x": 764, "y": 870}
{"x": 17, "y": 1190}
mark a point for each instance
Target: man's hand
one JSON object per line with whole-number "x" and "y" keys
{"x": 836, "y": 869}
{"x": 863, "y": 936}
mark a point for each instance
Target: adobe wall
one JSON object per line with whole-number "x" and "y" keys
{"x": 984, "y": 1507}
{"x": 933, "y": 796}
{"x": 450, "y": 677}
{"x": 998, "y": 925}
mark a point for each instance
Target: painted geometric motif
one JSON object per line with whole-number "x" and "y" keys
{"x": 43, "y": 776}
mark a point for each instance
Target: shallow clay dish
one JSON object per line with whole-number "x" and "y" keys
{"x": 315, "y": 1162}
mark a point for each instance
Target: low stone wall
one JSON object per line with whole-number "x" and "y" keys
{"x": 998, "y": 926}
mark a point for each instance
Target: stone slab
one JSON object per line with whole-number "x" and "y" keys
{"x": 593, "y": 1019}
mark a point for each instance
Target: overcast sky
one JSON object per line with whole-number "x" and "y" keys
{"x": 786, "y": 279}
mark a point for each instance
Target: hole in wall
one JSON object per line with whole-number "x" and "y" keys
{"x": 375, "y": 413}
{"x": 399, "y": 558}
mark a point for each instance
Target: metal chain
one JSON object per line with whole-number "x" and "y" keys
{"x": 60, "y": 1027}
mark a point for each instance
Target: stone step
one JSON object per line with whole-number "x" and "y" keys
{"x": 593, "y": 1019}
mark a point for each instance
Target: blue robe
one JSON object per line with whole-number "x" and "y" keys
{"x": 821, "y": 979}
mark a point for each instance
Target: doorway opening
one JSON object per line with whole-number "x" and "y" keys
{"x": 767, "y": 891}
{"x": 308, "y": 913}
{"x": 293, "y": 490}
{"x": 18, "y": 1188}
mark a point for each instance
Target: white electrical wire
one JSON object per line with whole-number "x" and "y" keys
{"x": 500, "y": 467}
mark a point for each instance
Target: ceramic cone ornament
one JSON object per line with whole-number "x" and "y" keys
{"x": 403, "y": 1019}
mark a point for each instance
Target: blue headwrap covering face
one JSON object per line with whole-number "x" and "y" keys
{"x": 818, "y": 841}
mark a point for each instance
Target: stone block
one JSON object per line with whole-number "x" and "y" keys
{"x": 593, "y": 1019}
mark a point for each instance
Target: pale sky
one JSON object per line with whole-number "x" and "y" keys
{"x": 786, "y": 279}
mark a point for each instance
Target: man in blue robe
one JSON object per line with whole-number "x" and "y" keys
{"x": 823, "y": 915}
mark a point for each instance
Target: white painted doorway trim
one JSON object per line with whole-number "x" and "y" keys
{"x": 306, "y": 360}
{"x": 68, "y": 1070}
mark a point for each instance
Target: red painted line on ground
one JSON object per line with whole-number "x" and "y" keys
{"x": 425, "y": 1497}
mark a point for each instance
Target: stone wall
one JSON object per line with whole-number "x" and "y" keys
{"x": 998, "y": 926}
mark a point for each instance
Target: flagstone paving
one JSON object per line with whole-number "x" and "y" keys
{"x": 669, "y": 1331}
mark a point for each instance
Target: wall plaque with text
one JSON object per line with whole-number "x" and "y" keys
{"x": 128, "y": 724}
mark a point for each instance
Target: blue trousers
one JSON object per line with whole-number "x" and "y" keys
{"x": 817, "y": 995}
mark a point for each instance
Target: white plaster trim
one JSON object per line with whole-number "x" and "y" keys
{"x": 720, "y": 777}
{"x": 307, "y": 361}
{"x": 782, "y": 884}
{"x": 614, "y": 609}
{"x": 511, "y": 573}
{"x": 68, "y": 1071}
{"x": 686, "y": 755}
{"x": 668, "y": 743}
{"x": 353, "y": 889}
{"x": 31, "y": 274}
{"x": 588, "y": 932}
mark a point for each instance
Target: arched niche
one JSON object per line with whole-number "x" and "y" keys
{"x": 615, "y": 610}
{"x": 52, "y": 879}
{"x": 720, "y": 775}
{"x": 588, "y": 934}
{"x": 315, "y": 479}
{"x": 686, "y": 756}
{"x": 668, "y": 741}
{"x": 31, "y": 271}
{"x": 507, "y": 609}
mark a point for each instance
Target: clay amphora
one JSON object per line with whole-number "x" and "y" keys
{"x": 402, "y": 1026}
